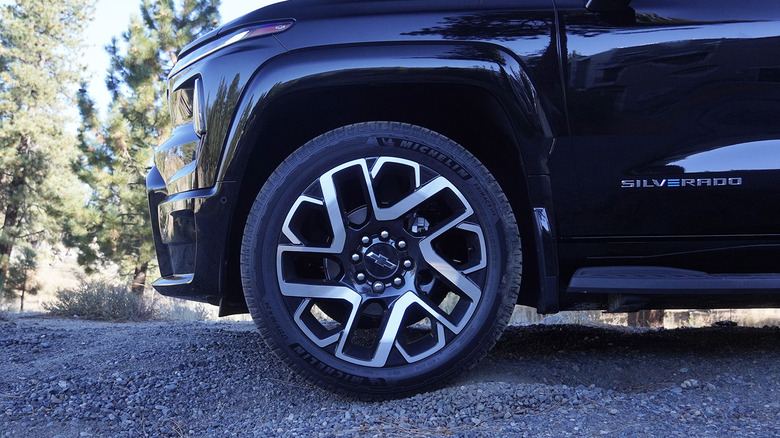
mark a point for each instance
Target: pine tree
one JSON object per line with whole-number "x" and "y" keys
{"x": 115, "y": 153}
{"x": 39, "y": 41}
{"x": 20, "y": 276}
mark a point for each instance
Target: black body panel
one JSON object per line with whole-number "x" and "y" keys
{"x": 674, "y": 120}
{"x": 673, "y": 117}
{"x": 640, "y": 135}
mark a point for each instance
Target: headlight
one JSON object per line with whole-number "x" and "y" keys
{"x": 187, "y": 104}
{"x": 198, "y": 108}
{"x": 180, "y": 104}
{"x": 240, "y": 34}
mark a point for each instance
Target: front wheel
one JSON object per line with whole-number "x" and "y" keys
{"x": 381, "y": 259}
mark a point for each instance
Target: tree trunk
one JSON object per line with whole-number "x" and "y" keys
{"x": 139, "y": 279}
{"x": 13, "y": 210}
{"x": 646, "y": 318}
{"x": 24, "y": 289}
{"x": 10, "y": 223}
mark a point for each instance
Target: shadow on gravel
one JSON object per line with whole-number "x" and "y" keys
{"x": 623, "y": 359}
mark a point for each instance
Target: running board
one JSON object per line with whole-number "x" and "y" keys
{"x": 652, "y": 280}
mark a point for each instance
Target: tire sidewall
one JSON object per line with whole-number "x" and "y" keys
{"x": 306, "y": 165}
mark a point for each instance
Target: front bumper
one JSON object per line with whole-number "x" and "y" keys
{"x": 191, "y": 233}
{"x": 191, "y": 208}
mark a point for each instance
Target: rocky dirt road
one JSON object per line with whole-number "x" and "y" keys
{"x": 74, "y": 378}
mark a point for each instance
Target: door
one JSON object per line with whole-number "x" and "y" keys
{"x": 674, "y": 114}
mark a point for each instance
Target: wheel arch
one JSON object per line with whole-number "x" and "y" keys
{"x": 486, "y": 103}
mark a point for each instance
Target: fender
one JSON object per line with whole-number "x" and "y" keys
{"x": 485, "y": 66}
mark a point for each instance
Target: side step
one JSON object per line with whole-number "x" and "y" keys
{"x": 653, "y": 280}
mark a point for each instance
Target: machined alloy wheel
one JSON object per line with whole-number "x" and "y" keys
{"x": 381, "y": 259}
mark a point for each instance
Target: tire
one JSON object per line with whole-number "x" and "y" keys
{"x": 381, "y": 259}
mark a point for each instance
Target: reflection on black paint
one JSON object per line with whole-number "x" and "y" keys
{"x": 219, "y": 117}
{"x": 665, "y": 97}
{"x": 755, "y": 155}
{"x": 662, "y": 87}
{"x": 509, "y": 29}
{"x": 478, "y": 53}
{"x": 491, "y": 27}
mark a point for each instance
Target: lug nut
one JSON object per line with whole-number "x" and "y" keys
{"x": 398, "y": 281}
{"x": 365, "y": 240}
{"x": 401, "y": 244}
{"x": 407, "y": 263}
{"x": 378, "y": 286}
{"x": 361, "y": 277}
{"x": 384, "y": 235}
{"x": 355, "y": 257}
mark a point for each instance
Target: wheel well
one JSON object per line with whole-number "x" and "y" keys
{"x": 468, "y": 115}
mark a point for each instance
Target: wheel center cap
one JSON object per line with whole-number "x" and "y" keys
{"x": 381, "y": 260}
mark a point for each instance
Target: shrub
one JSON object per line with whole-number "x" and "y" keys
{"x": 175, "y": 310}
{"x": 99, "y": 300}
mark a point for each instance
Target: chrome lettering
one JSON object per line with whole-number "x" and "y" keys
{"x": 683, "y": 182}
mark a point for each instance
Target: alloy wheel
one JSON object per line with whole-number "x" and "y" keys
{"x": 380, "y": 261}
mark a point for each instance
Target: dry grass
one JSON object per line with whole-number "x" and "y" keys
{"x": 102, "y": 301}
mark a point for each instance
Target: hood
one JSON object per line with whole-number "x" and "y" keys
{"x": 305, "y": 9}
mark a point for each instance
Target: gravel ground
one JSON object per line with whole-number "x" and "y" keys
{"x": 73, "y": 378}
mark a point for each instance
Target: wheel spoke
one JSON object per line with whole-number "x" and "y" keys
{"x": 440, "y": 343}
{"x": 321, "y": 342}
{"x": 330, "y": 197}
{"x": 389, "y": 332}
{"x": 420, "y": 195}
{"x": 286, "y": 227}
{"x": 330, "y": 200}
{"x": 399, "y": 208}
{"x": 391, "y": 328}
{"x": 336, "y": 292}
{"x": 476, "y": 229}
{"x": 435, "y": 312}
{"x": 458, "y": 280}
{"x": 309, "y": 292}
{"x": 440, "y": 265}
{"x": 381, "y": 161}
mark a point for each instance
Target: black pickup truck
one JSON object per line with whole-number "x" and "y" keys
{"x": 379, "y": 182}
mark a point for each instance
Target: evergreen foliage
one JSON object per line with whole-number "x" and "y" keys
{"x": 115, "y": 153}
{"x": 40, "y": 42}
{"x": 20, "y": 276}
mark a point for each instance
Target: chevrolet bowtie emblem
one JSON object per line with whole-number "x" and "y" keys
{"x": 381, "y": 260}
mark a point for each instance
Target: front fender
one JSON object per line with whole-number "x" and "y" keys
{"x": 485, "y": 66}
